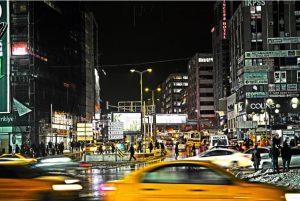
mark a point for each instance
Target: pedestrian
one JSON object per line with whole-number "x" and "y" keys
{"x": 112, "y": 148}
{"x": 10, "y": 149}
{"x": 162, "y": 149}
{"x": 274, "y": 154}
{"x": 156, "y": 144}
{"x": 131, "y": 151}
{"x": 17, "y": 149}
{"x": 140, "y": 150}
{"x": 176, "y": 150}
{"x": 286, "y": 154}
{"x": 256, "y": 158}
{"x": 150, "y": 147}
{"x": 194, "y": 149}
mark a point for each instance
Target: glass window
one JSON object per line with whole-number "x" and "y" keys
{"x": 298, "y": 76}
{"x": 184, "y": 174}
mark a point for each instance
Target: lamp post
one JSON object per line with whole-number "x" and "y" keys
{"x": 158, "y": 89}
{"x": 149, "y": 70}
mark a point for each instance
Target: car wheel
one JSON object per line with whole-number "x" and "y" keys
{"x": 266, "y": 166}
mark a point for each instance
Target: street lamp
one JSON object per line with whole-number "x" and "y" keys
{"x": 158, "y": 89}
{"x": 149, "y": 70}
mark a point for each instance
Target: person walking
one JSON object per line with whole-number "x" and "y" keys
{"x": 17, "y": 149}
{"x": 131, "y": 151}
{"x": 256, "y": 158}
{"x": 150, "y": 147}
{"x": 194, "y": 150}
{"x": 176, "y": 150}
{"x": 274, "y": 154}
{"x": 286, "y": 154}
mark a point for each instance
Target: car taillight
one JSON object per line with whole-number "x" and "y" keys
{"x": 106, "y": 188}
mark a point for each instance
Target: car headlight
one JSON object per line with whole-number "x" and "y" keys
{"x": 66, "y": 187}
{"x": 292, "y": 196}
{"x": 71, "y": 181}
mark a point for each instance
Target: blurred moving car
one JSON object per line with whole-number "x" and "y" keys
{"x": 23, "y": 182}
{"x": 15, "y": 157}
{"x": 57, "y": 164}
{"x": 186, "y": 181}
{"x": 226, "y": 158}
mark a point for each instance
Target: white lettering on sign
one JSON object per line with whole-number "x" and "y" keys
{"x": 205, "y": 60}
{"x": 255, "y": 2}
{"x": 257, "y": 106}
{"x": 224, "y": 25}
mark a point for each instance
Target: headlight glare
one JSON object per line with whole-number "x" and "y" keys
{"x": 292, "y": 196}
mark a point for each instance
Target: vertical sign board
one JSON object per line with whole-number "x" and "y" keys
{"x": 4, "y": 58}
{"x": 115, "y": 131}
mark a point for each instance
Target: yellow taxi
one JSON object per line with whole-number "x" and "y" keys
{"x": 186, "y": 181}
{"x": 19, "y": 181}
{"x": 91, "y": 148}
{"x": 14, "y": 157}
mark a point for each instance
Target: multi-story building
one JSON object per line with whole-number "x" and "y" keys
{"x": 264, "y": 68}
{"x": 223, "y": 10}
{"x": 51, "y": 61}
{"x": 200, "y": 96}
{"x": 171, "y": 93}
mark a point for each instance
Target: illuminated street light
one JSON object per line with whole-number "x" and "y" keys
{"x": 149, "y": 70}
{"x": 158, "y": 89}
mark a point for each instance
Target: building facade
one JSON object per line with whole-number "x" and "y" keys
{"x": 51, "y": 60}
{"x": 171, "y": 98}
{"x": 200, "y": 95}
{"x": 264, "y": 68}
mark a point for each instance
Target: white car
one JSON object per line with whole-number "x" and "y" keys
{"x": 264, "y": 154}
{"x": 227, "y": 158}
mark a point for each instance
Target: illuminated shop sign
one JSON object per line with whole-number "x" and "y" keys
{"x": 256, "y": 78}
{"x": 205, "y": 60}
{"x": 4, "y": 58}
{"x": 19, "y": 49}
{"x": 224, "y": 24}
{"x": 254, "y": 2}
{"x": 278, "y": 53}
{"x": 259, "y": 94}
{"x": 283, "y": 40}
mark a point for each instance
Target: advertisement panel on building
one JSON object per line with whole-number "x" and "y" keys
{"x": 132, "y": 122}
{"x": 259, "y": 94}
{"x": 231, "y": 100}
{"x": 256, "y": 78}
{"x": 266, "y": 54}
{"x": 4, "y": 58}
{"x": 115, "y": 131}
{"x": 171, "y": 118}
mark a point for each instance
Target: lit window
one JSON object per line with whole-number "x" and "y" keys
{"x": 258, "y": 9}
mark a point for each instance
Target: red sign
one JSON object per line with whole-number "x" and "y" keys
{"x": 19, "y": 48}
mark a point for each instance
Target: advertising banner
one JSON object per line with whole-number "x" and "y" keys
{"x": 4, "y": 58}
{"x": 171, "y": 118}
{"x": 258, "y": 94}
{"x": 256, "y": 78}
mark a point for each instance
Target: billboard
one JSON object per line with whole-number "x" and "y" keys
{"x": 284, "y": 40}
{"x": 131, "y": 121}
{"x": 171, "y": 118}
{"x": 4, "y": 58}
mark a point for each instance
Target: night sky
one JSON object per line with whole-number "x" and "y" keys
{"x": 142, "y": 32}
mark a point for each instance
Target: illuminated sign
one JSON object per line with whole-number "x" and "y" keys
{"x": 224, "y": 24}
{"x": 278, "y": 53}
{"x": 132, "y": 121}
{"x": 4, "y": 58}
{"x": 256, "y": 78}
{"x": 254, "y": 2}
{"x": 283, "y": 40}
{"x": 205, "y": 60}
{"x": 259, "y": 94}
{"x": 19, "y": 48}
{"x": 171, "y": 118}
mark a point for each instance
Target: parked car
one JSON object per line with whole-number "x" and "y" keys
{"x": 187, "y": 180}
{"x": 227, "y": 158}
